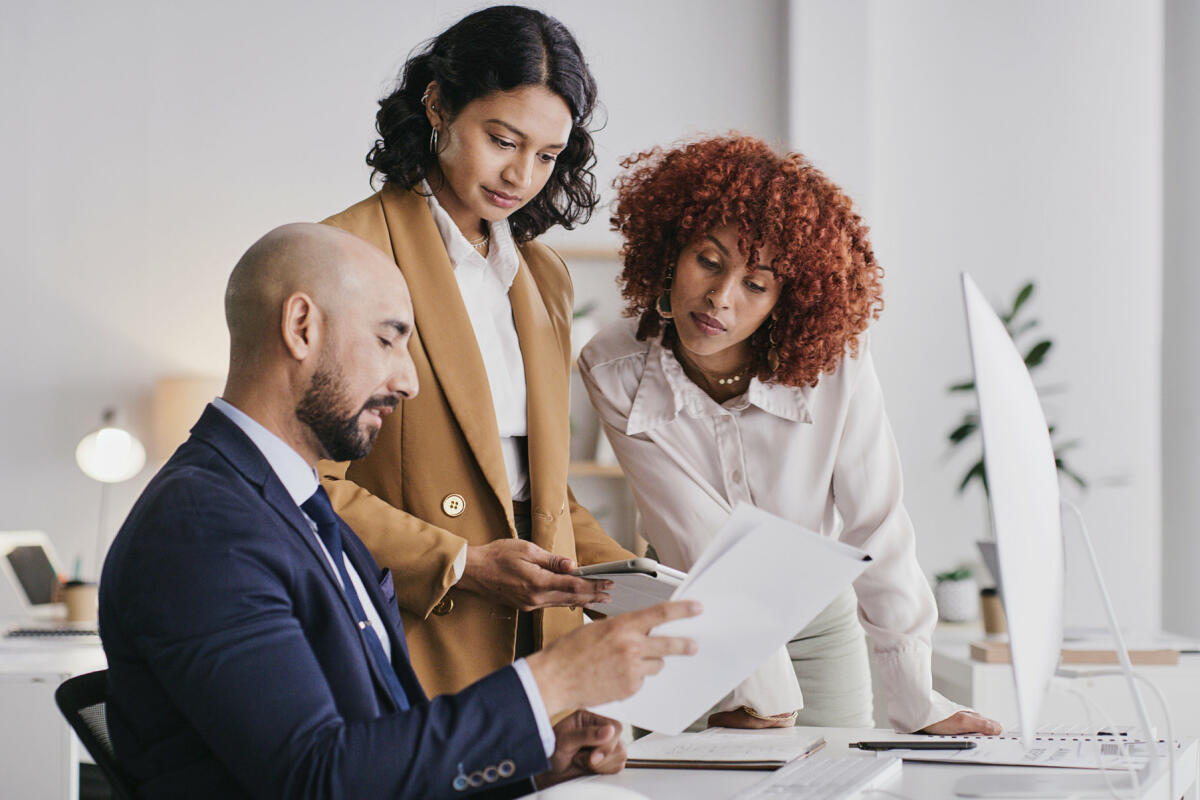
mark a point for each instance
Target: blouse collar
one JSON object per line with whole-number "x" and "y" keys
{"x": 665, "y": 391}
{"x": 502, "y": 259}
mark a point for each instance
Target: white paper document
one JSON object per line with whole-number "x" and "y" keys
{"x": 724, "y": 748}
{"x": 760, "y": 581}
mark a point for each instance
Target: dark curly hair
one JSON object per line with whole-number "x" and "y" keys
{"x": 830, "y": 291}
{"x": 495, "y": 50}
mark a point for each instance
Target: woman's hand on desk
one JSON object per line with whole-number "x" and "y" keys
{"x": 524, "y": 576}
{"x": 964, "y": 722}
{"x": 742, "y": 718}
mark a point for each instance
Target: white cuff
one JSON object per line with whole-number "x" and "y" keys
{"x": 545, "y": 729}
{"x": 460, "y": 564}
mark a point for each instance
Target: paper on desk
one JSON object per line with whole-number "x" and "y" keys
{"x": 760, "y": 581}
{"x": 725, "y": 746}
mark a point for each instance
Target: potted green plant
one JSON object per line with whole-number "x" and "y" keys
{"x": 1018, "y": 325}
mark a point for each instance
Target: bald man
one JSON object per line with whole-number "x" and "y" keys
{"x": 254, "y": 646}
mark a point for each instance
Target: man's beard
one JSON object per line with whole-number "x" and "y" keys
{"x": 339, "y": 434}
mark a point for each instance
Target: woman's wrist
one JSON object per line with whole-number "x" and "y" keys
{"x": 788, "y": 717}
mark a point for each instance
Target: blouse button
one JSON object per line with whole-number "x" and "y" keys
{"x": 736, "y": 477}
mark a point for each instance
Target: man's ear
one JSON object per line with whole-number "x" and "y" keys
{"x": 301, "y": 325}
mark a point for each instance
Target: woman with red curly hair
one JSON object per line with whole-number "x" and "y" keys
{"x": 744, "y": 375}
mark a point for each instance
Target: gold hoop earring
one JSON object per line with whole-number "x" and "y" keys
{"x": 663, "y": 304}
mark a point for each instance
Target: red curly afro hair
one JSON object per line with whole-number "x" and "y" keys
{"x": 831, "y": 287}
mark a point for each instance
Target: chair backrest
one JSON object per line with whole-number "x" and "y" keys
{"x": 83, "y": 701}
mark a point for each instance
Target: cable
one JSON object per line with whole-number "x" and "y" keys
{"x": 1162, "y": 705}
{"x": 1126, "y": 666}
{"x": 1090, "y": 705}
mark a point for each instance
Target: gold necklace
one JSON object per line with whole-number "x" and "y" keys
{"x": 481, "y": 241}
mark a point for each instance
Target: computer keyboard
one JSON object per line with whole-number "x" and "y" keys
{"x": 821, "y": 778}
{"x": 50, "y": 633}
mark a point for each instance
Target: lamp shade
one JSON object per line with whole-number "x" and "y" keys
{"x": 175, "y": 407}
{"x": 110, "y": 454}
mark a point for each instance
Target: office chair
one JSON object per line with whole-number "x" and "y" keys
{"x": 82, "y": 701}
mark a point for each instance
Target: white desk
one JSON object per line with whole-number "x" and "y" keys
{"x": 39, "y": 753}
{"x": 988, "y": 688}
{"x": 918, "y": 781}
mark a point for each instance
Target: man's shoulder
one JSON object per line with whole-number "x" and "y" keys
{"x": 199, "y": 482}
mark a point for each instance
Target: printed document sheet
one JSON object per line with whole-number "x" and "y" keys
{"x": 760, "y": 581}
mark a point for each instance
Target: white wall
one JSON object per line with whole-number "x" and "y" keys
{"x": 1013, "y": 140}
{"x": 145, "y": 145}
{"x": 1181, "y": 329}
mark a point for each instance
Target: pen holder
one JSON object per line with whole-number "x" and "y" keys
{"x": 993, "y": 611}
{"x": 81, "y": 600}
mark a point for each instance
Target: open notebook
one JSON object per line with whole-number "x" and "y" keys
{"x": 723, "y": 748}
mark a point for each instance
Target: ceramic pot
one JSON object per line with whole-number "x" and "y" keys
{"x": 957, "y": 601}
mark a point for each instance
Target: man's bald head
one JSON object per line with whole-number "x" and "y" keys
{"x": 335, "y": 268}
{"x": 319, "y": 323}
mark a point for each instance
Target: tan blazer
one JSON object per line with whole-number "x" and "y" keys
{"x": 436, "y": 476}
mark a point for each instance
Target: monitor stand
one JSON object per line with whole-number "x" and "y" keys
{"x": 1055, "y": 784}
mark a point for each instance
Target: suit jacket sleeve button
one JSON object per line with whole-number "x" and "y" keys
{"x": 506, "y": 768}
{"x": 453, "y": 505}
{"x": 444, "y": 606}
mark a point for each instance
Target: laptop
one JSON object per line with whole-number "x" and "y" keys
{"x": 31, "y": 594}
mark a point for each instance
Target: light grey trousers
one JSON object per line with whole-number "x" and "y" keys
{"x": 830, "y": 659}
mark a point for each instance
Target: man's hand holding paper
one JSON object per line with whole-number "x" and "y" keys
{"x": 760, "y": 580}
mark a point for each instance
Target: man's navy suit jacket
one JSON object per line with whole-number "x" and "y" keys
{"x": 236, "y": 669}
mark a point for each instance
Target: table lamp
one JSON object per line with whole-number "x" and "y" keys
{"x": 109, "y": 455}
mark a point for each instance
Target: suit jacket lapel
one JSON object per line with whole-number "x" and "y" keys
{"x": 445, "y": 330}
{"x": 546, "y": 388}
{"x": 220, "y": 432}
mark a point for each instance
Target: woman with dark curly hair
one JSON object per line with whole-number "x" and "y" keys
{"x": 745, "y": 375}
{"x": 483, "y": 146}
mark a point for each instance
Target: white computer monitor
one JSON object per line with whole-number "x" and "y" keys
{"x": 1024, "y": 504}
{"x": 30, "y": 567}
{"x": 1026, "y": 519}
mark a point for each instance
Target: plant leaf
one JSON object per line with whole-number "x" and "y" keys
{"x": 976, "y": 471}
{"x": 962, "y": 431}
{"x": 1037, "y": 354}
{"x": 969, "y": 386}
{"x": 1070, "y": 473}
{"x": 1023, "y": 295}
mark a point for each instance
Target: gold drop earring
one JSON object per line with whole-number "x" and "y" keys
{"x": 663, "y": 304}
{"x": 773, "y": 351}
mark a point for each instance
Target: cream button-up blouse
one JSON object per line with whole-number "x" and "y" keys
{"x": 823, "y": 457}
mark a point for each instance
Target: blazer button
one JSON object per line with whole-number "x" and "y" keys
{"x": 506, "y": 768}
{"x": 444, "y": 606}
{"x": 453, "y": 505}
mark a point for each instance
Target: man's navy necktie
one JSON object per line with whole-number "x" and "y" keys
{"x": 329, "y": 528}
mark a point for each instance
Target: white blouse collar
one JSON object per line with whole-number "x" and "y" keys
{"x": 502, "y": 258}
{"x": 665, "y": 390}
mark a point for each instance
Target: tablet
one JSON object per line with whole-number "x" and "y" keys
{"x": 637, "y": 583}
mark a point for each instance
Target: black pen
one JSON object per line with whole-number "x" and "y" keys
{"x": 917, "y": 744}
